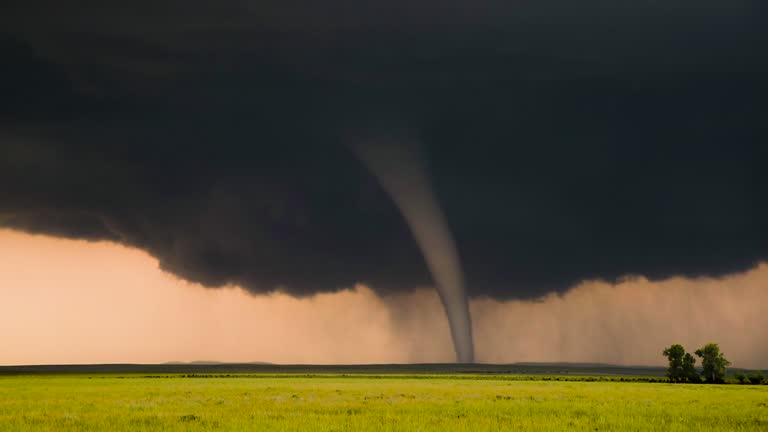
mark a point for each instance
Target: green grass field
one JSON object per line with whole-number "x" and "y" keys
{"x": 109, "y": 402}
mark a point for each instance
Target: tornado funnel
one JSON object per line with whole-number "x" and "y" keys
{"x": 397, "y": 165}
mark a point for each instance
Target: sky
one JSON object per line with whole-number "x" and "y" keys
{"x": 72, "y": 301}
{"x": 542, "y": 145}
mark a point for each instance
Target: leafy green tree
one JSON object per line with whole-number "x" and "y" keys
{"x": 689, "y": 369}
{"x": 713, "y": 362}
{"x": 741, "y": 378}
{"x": 675, "y": 354}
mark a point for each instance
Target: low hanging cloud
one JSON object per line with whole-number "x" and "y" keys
{"x": 120, "y": 307}
{"x": 566, "y": 141}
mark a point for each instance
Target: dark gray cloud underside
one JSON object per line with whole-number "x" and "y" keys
{"x": 564, "y": 141}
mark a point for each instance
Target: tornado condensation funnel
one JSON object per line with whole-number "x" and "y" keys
{"x": 397, "y": 165}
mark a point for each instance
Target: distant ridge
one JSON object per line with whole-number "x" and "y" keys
{"x": 211, "y": 362}
{"x": 212, "y": 367}
{"x": 205, "y": 367}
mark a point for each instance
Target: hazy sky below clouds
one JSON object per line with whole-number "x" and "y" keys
{"x": 66, "y": 301}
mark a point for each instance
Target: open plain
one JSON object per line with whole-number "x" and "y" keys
{"x": 205, "y": 398}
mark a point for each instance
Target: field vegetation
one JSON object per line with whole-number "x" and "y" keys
{"x": 360, "y": 402}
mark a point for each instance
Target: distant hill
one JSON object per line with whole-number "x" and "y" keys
{"x": 211, "y": 367}
{"x": 212, "y": 362}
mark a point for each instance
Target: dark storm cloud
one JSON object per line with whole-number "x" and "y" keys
{"x": 566, "y": 140}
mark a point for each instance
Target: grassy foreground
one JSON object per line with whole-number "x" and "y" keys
{"x": 359, "y": 403}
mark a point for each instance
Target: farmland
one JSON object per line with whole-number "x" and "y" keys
{"x": 322, "y": 401}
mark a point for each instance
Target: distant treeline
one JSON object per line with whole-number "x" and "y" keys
{"x": 740, "y": 378}
{"x": 418, "y": 376}
{"x": 682, "y": 369}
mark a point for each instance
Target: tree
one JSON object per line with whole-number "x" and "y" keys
{"x": 689, "y": 369}
{"x": 675, "y": 354}
{"x": 756, "y": 378}
{"x": 713, "y": 363}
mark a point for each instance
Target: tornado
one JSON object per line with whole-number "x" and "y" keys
{"x": 398, "y": 167}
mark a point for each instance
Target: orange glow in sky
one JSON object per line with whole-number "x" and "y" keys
{"x": 67, "y": 301}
